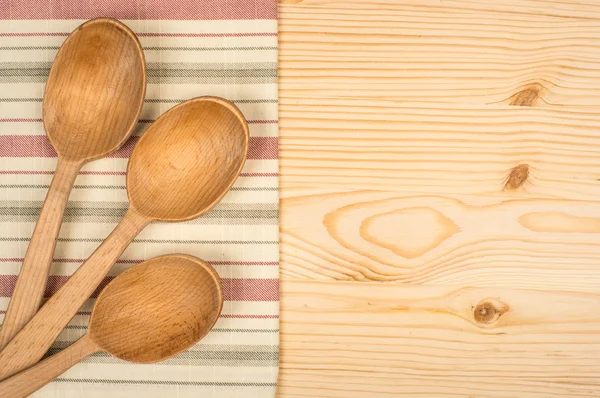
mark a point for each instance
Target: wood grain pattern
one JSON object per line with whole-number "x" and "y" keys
{"x": 439, "y": 214}
{"x": 181, "y": 168}
{"x": 92, "y": 101}
{"x": 427, "y": 239}
{"x": 346, "y": 339}
{"x": 147, "y": 314}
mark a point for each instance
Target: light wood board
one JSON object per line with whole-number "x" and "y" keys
{"x": 440, "y": 176}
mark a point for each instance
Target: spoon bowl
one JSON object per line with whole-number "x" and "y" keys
{"x": 147, "y": 314}
{"x": 187, "y": 160}
{"x": 95, "y": 90}
{"x": 157, "y": 309}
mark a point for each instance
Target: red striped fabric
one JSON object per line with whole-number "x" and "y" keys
{"x": 233, "y": 289}
{"x": 140, "y": 9}
{"x": 30, "y": 146}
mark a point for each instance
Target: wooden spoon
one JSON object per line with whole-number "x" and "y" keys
{"x": 93, "y": 99}
{"x": 181, "y": 167}
{"x": 149, "y": 313}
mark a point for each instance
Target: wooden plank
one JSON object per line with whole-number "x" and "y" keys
{"x": 433, "y": 239}
{"x": 342, "y": 339}
{"x": 450, "y": 51}
{"x": 449, "y": 148}
{"x": 439, "y": 148}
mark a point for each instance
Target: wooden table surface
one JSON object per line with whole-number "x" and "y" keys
{"x": 440, "y": 176}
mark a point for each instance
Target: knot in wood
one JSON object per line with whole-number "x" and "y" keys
{"x": 489, "y": 311}
{"x": 517, "y": 177}
{"x": 528, "y": 95}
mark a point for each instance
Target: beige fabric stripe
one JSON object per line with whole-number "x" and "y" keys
{"x": 154, "y": 230}
{"x": 117, "y": 195}
{"x": 243, "y": 312}
{"x": 159, "y": 51}
{"x": 232, "y": 92}
{"x": 254, "y": 109}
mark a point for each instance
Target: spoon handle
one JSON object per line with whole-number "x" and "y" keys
{"x": 34, "y": 378}
{"x": 31, "y": 282}
{"x": 32, "y": 342}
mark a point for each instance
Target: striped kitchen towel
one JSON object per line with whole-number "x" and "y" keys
{"x": 225, "y": 48}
